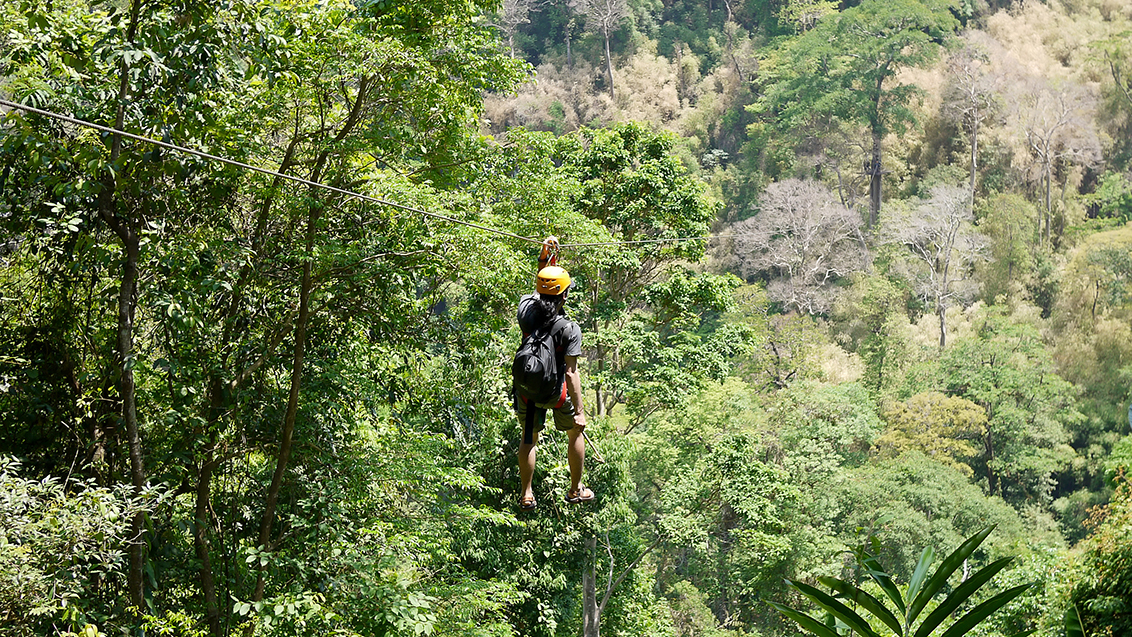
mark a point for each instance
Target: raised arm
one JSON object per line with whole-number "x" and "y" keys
{"x": 549, "y": 253}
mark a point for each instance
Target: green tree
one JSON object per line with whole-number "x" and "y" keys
{"x": 723, "y": 509}
{"x": 60, "y": 538}
{"x": 783, "y": 349}
{"x": 914, "y": 500}
{"x": 938, "y": 425}
{"x": 872, "y": 319}
{"x": 1008, "y": 222}
{"x": 803, "y": 15}
{"x": 1093, "y": 346}
{"x": 1098, "y": 278}
{"x": 821, "y": 429}
{"x": 1113, "y": 197}
{"x": 846, "y": 68}
{"x": 670, "y": 351}
{"x": 121, "y": 68}
{"x": 1116, "y": 57}
{"x": 244, "y": 299}
{"x": 1005, "y": 369}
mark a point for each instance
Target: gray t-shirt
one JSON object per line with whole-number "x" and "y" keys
{"x": 567, "y": 337}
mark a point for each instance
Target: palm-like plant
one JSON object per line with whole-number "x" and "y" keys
{"x": 902, "y": 619}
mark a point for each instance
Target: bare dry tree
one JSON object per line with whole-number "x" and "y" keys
{"x": 1058, "y": 124}
{"x": 944, "y": 245}
{"x": 511, "y": 15}
{"x": 971, "y": 98}
{"x": 805, "y": 239}
{"x": 603, "y": 16}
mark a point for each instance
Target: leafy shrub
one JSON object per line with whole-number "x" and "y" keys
{"x": 63, "y": 545}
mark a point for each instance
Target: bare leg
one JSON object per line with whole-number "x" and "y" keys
{"x": 576, "y": 454}
{"x": 527, "y": 466}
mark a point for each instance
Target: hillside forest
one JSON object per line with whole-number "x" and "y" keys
{"x": 854, "y": 280}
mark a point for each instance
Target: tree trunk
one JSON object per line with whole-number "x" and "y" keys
{"x": 127, "y": 388}
{"x": 591, "y": 614}
{"x": 217, "y": 401}
{"x": 609, "y": 64}
{"x": 292, "y": 412}
{"x": 1096, "y": 297}
{"x": 569, "y": 54}
{"x": 1049, "y": 202}
{"x": 599, "y": 360}
{"x": 730, "y": 32}
{"x": 874, "y": 181}
{"x": 1010, "y": 262}
{"x": 974, "y": 157}
{"x": 202, "y": 546}
{"x": 681, "y": 89}
{"x": 127, "y": 231}
{"x": 988, "y": 447}
{"x": 128, "y": 395}
{"x": 942, "y": 311}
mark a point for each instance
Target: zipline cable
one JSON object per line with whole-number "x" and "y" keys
{"x": 334, "y": 189}
{"x": 265, "y": 171}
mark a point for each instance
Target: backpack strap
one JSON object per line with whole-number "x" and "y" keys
{"x": 557, "y": 328}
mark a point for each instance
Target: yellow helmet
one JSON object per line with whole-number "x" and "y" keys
{"x": 552, "y": 281}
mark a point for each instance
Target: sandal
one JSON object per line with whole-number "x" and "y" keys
{"x": 528, "y": 503}
{"x": 581, "y": 494}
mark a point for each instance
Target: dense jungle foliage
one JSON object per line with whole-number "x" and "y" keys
{"x": 857, "y": 283}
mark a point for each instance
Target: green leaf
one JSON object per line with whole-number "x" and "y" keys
{"x": 984, "y": 610}
{"x": 839, "y": 610}
{"x": 875, "y": 571}
{"x": 1074, "y": 627}
{"x": 866, "y": 601}
{"x": 944, "y": 571}
{"x": 805, "y": 621}
{"x": 921, "y": 572}
{"x": 961, "y": 594}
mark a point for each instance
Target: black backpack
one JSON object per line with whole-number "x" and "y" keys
{"x": 535, "y": 369}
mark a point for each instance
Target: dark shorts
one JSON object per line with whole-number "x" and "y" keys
{"x": 532, "y": 418}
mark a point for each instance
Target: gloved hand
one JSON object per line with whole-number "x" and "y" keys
{"x": 549, "y": 254}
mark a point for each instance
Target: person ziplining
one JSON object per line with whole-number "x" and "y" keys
{"x": 545, "y": 376}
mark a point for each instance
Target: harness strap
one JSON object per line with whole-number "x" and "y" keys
{"x": 562, "y": 397}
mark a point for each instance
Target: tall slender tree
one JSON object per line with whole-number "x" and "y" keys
{"x": 604, "y": 17}
{"x": 971, "y": 99}
{"x": 1058, "y": 128}
{"x": 847, "y": 68}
